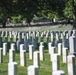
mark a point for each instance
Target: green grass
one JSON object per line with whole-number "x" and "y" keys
{"x": 45, "y": 66}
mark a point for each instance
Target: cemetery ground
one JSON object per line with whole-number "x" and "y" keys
{"x": 45, "y": 65}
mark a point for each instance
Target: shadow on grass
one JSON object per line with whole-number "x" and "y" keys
{"x": 39, "y": 25}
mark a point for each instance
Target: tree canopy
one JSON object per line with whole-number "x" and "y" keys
{"x": 29, "y": 8}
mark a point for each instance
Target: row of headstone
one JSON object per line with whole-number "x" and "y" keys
{"x": 68, "y": 42}
{"x": 55, "y": 61}
{"x": 36, "y": 56}
{"x": 28, "y": 38}
{"x": 33, "y": 69}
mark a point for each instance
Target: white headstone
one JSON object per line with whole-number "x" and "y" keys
{"x": 23, "y": 58}
{"x": 57, "y": 37}
{"x": 41, "y": 43}
{"x": 49, "y": 47}
{"x": 19, "y": 35}
{"x": 4, "y": 48}
{"x": 36, "y": 59}
{"x": 23, "y": 35}
{"x": 52, "y": 36}
{"x": 21, "y": 47}
{"x": 65, "y": 53}
{"x": 32, "y": 70}
{"x": 71, "y": 65}
{"x": 53, "y": 50}
{"x": 31, "y": 50}
{"x": 41, "y": 51}
{"x": 15, "y": 37}
{"x": 11, "y": 55}
{"x": 12, "y": 68}
{"x": 55, "y": 62}
{"x": 60, "y": 48}
{"x": 13, "y": 46}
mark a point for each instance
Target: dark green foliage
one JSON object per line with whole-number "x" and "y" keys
{"x": 28, "y": 9}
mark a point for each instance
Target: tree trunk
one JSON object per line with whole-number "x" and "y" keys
{"x": 74, "y": 22}
{"x": 29, "y": 24}
{"x": 4, "y": 24}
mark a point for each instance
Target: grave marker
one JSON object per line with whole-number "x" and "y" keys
{"x": 12, "y": 68}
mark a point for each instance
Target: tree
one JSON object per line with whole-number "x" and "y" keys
{"x": 29, "y": 8}
{"x": 11, "y": 8}
{"x": 51, "y": 8}
{"x": 70, "y": 11}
